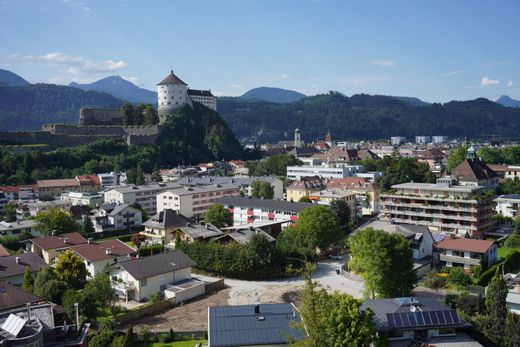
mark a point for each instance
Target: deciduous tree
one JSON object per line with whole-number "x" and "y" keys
{"x": 262, "y": 189}
{"x": 218, "y": 215}
{"x": 56, "y": 220}
{"x": 317, "y": 227}
{"x": 71, "y": 269}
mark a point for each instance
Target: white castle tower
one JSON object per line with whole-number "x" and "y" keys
{"x": 172, "y": 94}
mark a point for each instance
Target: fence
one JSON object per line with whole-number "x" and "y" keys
{"x": 214, "y": 286}
{"x": 144, "y": 311}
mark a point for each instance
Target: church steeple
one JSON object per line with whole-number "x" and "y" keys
{"x": 471, "y": 153}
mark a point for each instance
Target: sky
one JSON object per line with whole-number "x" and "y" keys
{"x": 437, "y": 50}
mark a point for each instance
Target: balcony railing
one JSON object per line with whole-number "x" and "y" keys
{"x": 459, "y": 260}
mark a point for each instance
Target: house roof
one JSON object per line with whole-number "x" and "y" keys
{"x": 197, "y": 92}
{"x": 157, "y": 264}
{"x": 64, "y": 182}
{"x": 308, "y": 183}
{"x": 276, "y": 205}
{"x": 171, "y": 79}
{"x": 466, "y": 245}
{"x": 14, "y": 189}
{"x": 4, "y": 252}
{"x": 11, "y": 297}
{"x": 201, "y": 231}
{"x": 9, "y": 267}
{"x": 19, "y": 224}
{"x": 240, "y": 326}
{"x": 244, "y": 236}
{"x": 61, "y": 241}
{"x": 303, "y": 151}
{"x": 473, "y": 170}
{"x": 119, "y": 208}
{"x": 166, "y": 219}
{"x": 349, "y": 183}
{"x": 98, "y": 251}
{"x": 509, "y": 197}
{"x": 88, "y": 179}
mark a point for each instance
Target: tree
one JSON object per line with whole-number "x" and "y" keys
{"x": 88, "y": 226}
{"x": 317, "y": 227}
{"x": 139, "y": 175}
{"x": 335, "y": 319}
{"x": 341, "y": 209}
{"x": 139, "y": 114}
{"x": 218, "y": 215}
{"x": 131, "y": 176}
{"x": 384, "y": 261}
{"x": 275, "y": 165}
{"x": 405, "y": 170}
{"x": 28, "y": 280}
{"x": 496, "y": 309}
{"x": 137, "y": 239}
{"x": 56, "y": 220}
{"x": 129, "y": 337}
{"x": 53, "y": 290}
{"x": 105, "y": 334}
{"x": 10, "y": 212}
{"x": 305, "y": 198}
{"x": 71, "y": 269}
{"x": 44, "y": 275}
{"x": 512, "y": 331}
{"x": 127, "y": 113}
{"x": 156, "y": 173}
{"x": 262, "y": 189}
{"x": 457, "y": 156}
{"x": 458, "y": 277}
{"x": 150, "y": 115}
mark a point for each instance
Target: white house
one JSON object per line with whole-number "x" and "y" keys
{"x": 84, "y": 199}
{"x": 18, "y": 227}
{"x": 116, "y": 217}
{"x": 507, "y": 205}
{"x": 137, "y": 279}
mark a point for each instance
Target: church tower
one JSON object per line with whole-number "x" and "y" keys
{"x": 297, "y": 138}
{"x": 172, "y": 94}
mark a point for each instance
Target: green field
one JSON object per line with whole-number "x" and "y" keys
{"x": 504, "y": 251}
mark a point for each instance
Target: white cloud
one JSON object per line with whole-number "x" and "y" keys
{"x": 134, "y": 80}
{"x": 486, "y": 81}
{"x": 509, "y": 83}
{"x": 386, "y": 63}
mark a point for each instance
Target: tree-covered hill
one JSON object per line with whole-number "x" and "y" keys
{"x": 271, "y": 94}
{"x": 28, "y": 107}
{"x": 366, "y": 117}
{"x": 11, "y": 79}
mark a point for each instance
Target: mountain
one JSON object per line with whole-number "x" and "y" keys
{"x": 505, "y": 100}
{"x": 412, "y": 101}
{"x": 270, "y": 94}
{"x": 11, "y": 79}
{"x": 364, "y": 116}
{"x": 28, "y": 107}
{"x": 120, "y": 88}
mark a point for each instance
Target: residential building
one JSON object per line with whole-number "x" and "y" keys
{"x": 98, "y": 256}
{"x": 144, "y": 195}
{"x": 204, "y": 97}
{"x": 418, "y": 321}
{"x": 254, "y": 325}
{"x": 443, "y": 207}
{"x": 89, "y": 183}
{"x": 331, "y": 171}
{"x": 473, "y": 172}
{"x": 327, "y": 196}
{"x": 194, "y": 201}
{"x": 50, "y": 247}
{"x": 438, "y": 139}
{"x": 367, "y": 193}
{"x": 422, "y": 140}
{"x": 12, "y": 267}
{"x": 137, "y": 279}
{"x": 513, "y": 294}
{"x": 109, "y": 179}
{"x": 434, "y": 157}
{"x": 112, "y": 216}
{"x": 397, "y": 140}
{"x": 242, "y": 235}
{"x": 57, "y": 186}
{"x": 3, "y": 201}
{"x": 33, "y": 208}
{"x": 508, "y": 205}
{"x": 85, "y": 199}
{"x": 21, "y": 192}
{"x": 18, "y": 227}
{"x": 191, "y": 232}
{"x": 345, "y": 155}
{"x": 467, "y": 252}
{"x": 246, "y": 210}
{"x": 239, "y": 167}
{"x": 161, "y": 228}
{"x": 512, "y": 172}
{"x": 304, "y": 187}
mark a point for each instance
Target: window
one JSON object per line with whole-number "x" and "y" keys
{"x": 143, "y": 282}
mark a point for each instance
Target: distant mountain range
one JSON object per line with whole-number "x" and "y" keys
{"x": 120, "y": 88}
{"x": 505, "y": 100}
{"x": 412, "y": 101}
{"x": 11, "y": 79}
{"x": 270, "y": 94}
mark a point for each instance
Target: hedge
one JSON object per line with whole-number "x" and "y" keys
{"x": 510, "y": 264}
{"x": 146, "y": 251}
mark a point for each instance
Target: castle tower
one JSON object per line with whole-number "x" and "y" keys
{"x": 297, "y": 138}
{"x": 172, "y": 94}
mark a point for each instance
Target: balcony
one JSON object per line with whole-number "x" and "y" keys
{"x": 430, "y": 215}
{"x": 459, "y": 260}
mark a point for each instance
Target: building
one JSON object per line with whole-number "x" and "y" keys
{"x": 418, "y": 321}
{"x": 244, "y": 183}
{"x": 144, "y": 195}
{"x": 21, "y": 192}
{"x": 18, "y": 227}
{"x": 242, "y": 235}
{"x": 513, "y": 294}
{"x": 137, "y": 279}
{"x": 422, "y": 140}
{"x": 508, "y": 205}
{"x": 12, "y": 268}
{"x": 4, "y": 252}
{"x": 194, "y": 201}
{"x": 437, "y": 139}
{"x": 33, "y": 208}
{"x": 298, "y": 143}
{"x": 83, "y": 199}
{"x": 57, "y": 187}
{"x": 332, "y": 171}
{"x": 304, "y": 187}
{"x": 50, "y": 247}
{"x": 397, "y": 140}
{"x": 473, "y": 172}
{"x": 247, "y": 210}
{"x": 112, "y": 216}
{"x": 89, "y": 183}
{"x": 328, "y": 196}
{"x": 204, "y": 97}
{"x": 98, "y": 256}
{"x": 466, "y": 252}
{"x": 161, "y": 228}
{"x": 109, "y": 179}
{"x": 191, "y": 232}
{"x": 254, "y": 325}
{"x": 443, "y": 207}
{"x": 512, "y": 172}
{"x": 367, "y": 193}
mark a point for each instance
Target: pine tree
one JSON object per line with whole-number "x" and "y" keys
{"x": 496, "y": 309}
{"x": 28, "y": 280}
{"x": 88, "y": 226}
{"x": 156, "y": 174}
{"x": 139, "y": 175}
{"x": 512, "y": 331}
{"x": 129, "y": 337}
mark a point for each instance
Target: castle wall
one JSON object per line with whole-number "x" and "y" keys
{"x": 100, "y": 116}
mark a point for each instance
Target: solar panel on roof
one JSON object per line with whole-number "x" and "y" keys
{"x": 14, "y": 324}
{"x": 422, "y": 319}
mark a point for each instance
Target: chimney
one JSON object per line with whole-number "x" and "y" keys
{"x": 108, "y": 251}
{"x": 65, "y": 239}
{"x": 518, "y": 287}
{"x": 257, "y": 309}
{"x": 89, "y": 240}
{"x": 17, "y": 260}
{"x": 207, "y": 226}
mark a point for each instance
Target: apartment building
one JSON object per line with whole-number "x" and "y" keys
{"x": 304, "y": 187}
{"x": 466, "y": 252}
{"x": 331, "y": 171}
{"x": 144, "y": 195}
{"x": 82, "y": 199}
{"x": 443, "y": 207}
{"x": 194, "y": 201}
{"x": 246, "y": 210}
{"x": 367, "y": 193}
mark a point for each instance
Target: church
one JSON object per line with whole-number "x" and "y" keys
{"x": 173, "y": 93}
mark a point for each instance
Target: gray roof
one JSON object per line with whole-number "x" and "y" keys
{"x": 165, "y": 219}
{"x": 20, "y": 224}
{"x": 241, "y": 326}
{"x": 238, "y": 181}
{"x": 509, "y": 196}
{"x": 9, "y": 267}
{"x": 243, "y": 236}
{"x": 201, "y": 231}
{"x": 188, "y": 190}
{"x": 157, "y": 264}
{"x": 119, "y": 208}
{"x": 407, "y": 230}
{"x": 276, "y": 205}
{"x": 144, "y": 188}
{"x": 171, "y": 79}
{"x": 11, "y": 297}
{"x": 197, "y": 92}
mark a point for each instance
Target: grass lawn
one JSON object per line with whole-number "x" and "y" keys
{"x": 504, "y": 251}
{"x": 190, "y": 343}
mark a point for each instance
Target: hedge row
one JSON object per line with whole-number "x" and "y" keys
{"x": 511, "y": 264}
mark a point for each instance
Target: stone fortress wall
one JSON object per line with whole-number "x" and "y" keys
{"x": 100, "y": 116}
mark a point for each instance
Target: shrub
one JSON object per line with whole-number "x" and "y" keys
{"x": 458, "y": 277}
{"x": 513, "y": 241}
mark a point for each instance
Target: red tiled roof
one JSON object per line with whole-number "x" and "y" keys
{"x": 349, "y": 183}
{"x": 14, "y": 189}
{"x": 473, "y": 170}
{"x": 466, "y": 245}
{"x": 53, "y": 242}
{"x": 97, "y": 251}
{"x": 89, "y": 179}
{"x": 65, "y": 182}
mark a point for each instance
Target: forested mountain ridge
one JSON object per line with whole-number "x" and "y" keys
{"x": 365, "y": 116}
{"x": 120, "y": 88}
{"x": 11, "y": 79}
{"x": 271, "y": 94}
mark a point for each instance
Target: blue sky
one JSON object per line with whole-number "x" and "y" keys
{"x": 436, "y": 50}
